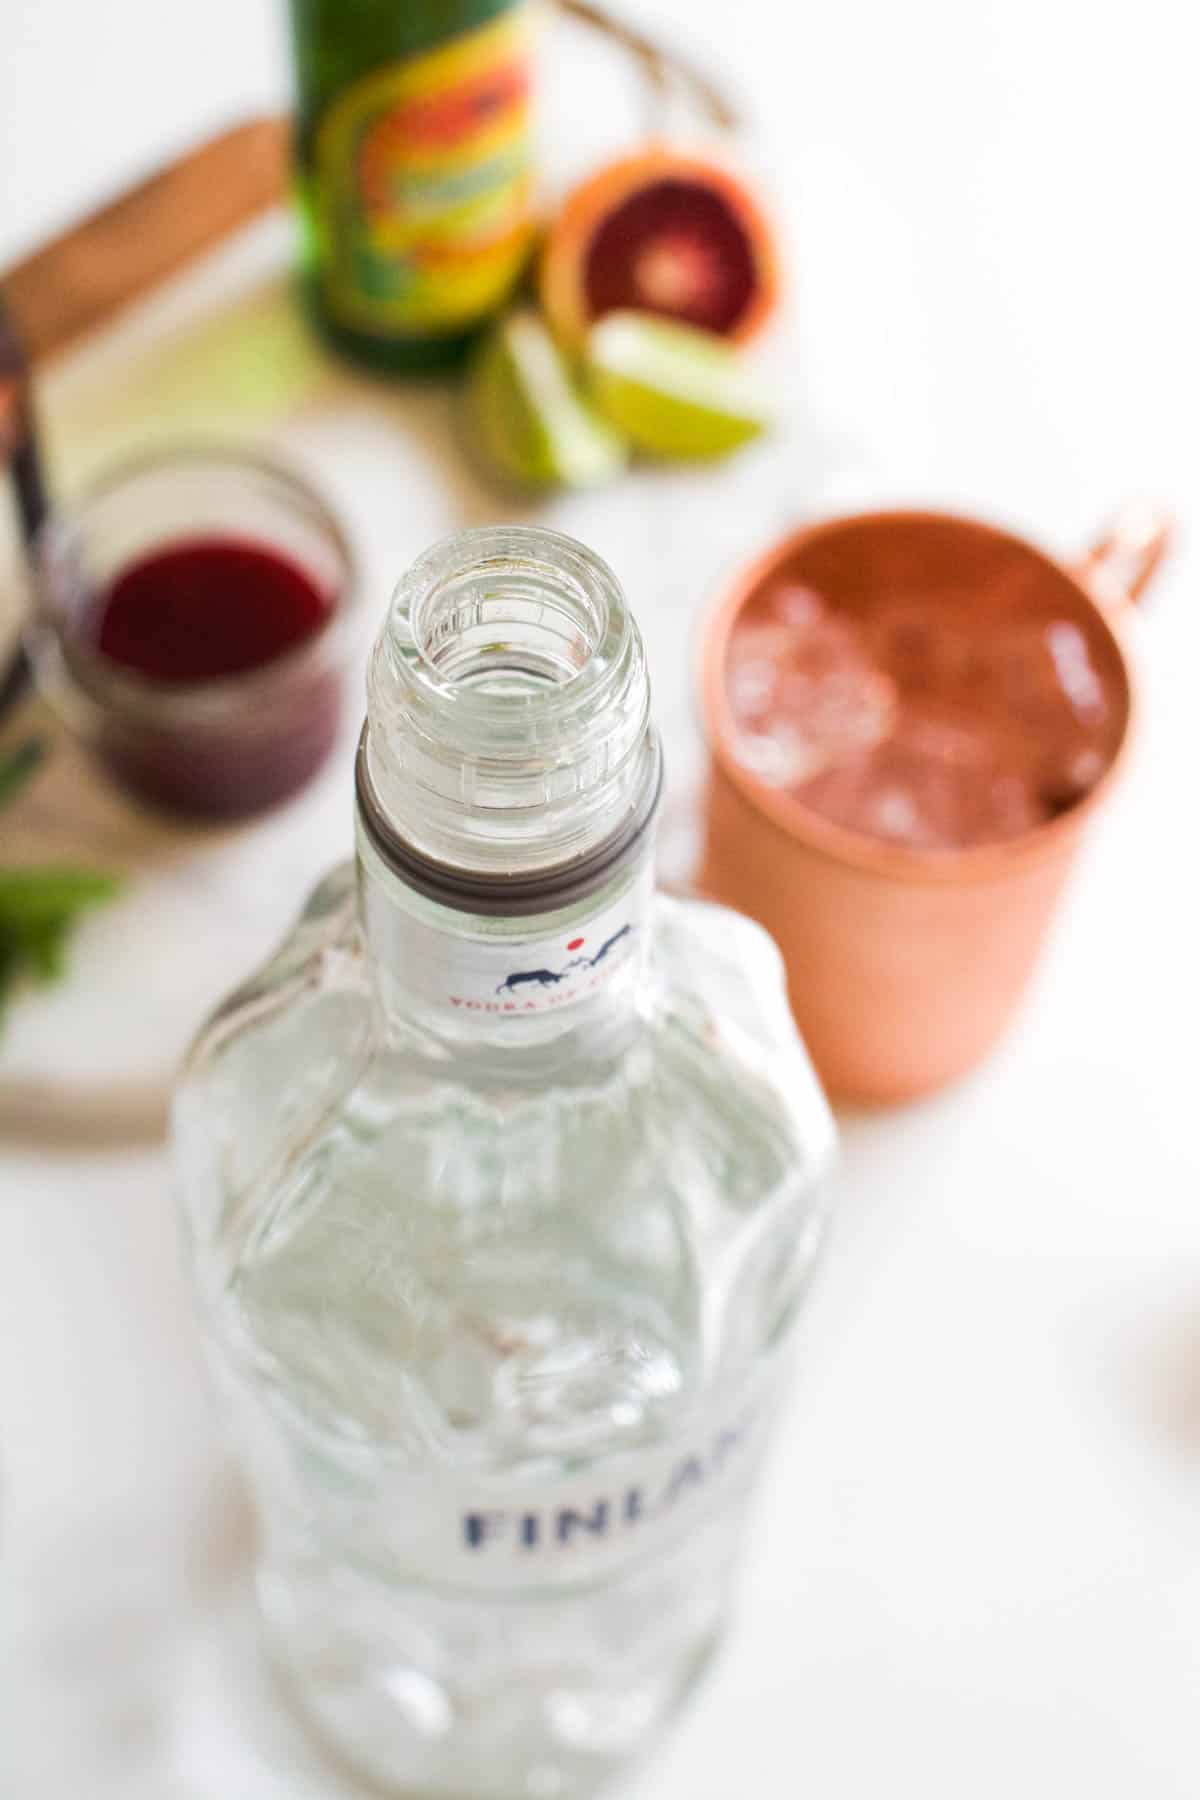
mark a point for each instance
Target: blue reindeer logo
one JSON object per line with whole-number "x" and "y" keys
{"x": 544, "y": 978}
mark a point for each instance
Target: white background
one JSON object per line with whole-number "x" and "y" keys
{"x": 977, "y": 1567}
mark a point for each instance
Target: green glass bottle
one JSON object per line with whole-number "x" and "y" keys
{"x": 415, "y": 164}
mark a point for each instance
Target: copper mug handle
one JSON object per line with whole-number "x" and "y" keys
{"x": 1122, "y": 562}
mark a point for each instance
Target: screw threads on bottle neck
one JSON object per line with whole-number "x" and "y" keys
{"x": 508, "y": 754}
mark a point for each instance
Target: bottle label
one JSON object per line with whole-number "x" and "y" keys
{"x": 521, "y": 1534}
{"x": 503, "y": 974}
{"x": 424, "y": 184}
{"x": 638, "y": 1507}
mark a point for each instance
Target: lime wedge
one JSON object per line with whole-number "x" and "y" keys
{"x": 673, "y": 389}
{"x": 525, "y": 416}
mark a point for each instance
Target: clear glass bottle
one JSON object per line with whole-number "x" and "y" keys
{"x": 503, "y": 1183}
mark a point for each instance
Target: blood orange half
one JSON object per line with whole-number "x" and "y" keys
{"x": 664, "y": 231}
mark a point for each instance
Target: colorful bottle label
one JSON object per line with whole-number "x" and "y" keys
{"x": 424, "y": 184}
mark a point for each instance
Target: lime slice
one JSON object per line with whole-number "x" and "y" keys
{"x": 673, "y": 389}
{"x": 526, "y": 417}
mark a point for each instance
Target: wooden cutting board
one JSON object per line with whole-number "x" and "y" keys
{"x": 111, "y": 258}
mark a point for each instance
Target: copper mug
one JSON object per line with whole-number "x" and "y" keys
{"x": 905, "y": 965}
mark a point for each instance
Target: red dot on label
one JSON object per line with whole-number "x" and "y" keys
{"x": 575, "y": 944}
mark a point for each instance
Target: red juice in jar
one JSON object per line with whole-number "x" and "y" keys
{"x": 193, "y": 614}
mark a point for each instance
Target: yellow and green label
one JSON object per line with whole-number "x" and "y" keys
{"x": 424, "y": 184}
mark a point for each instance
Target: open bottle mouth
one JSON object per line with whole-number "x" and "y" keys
{"x": 512, "y": 624}
{"x": 508, "y": 739}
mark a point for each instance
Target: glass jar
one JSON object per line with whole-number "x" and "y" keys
{"x": 220, "y": 748}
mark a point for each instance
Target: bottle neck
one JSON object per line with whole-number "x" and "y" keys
{"x": 536, "y": 989}
{"x": 507, "y": 781}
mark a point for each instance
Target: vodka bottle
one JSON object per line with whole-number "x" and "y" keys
{"x": 503, "y": 1183}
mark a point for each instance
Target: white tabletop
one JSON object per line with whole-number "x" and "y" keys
{"x": 976, "y": 1565}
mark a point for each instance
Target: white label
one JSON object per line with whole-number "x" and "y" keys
{"x": 636, "y": 1507}
{"x": 503, "y": 1535}
{"x": 510, "y": 974}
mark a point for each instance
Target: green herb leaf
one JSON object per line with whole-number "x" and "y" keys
{"x": 38, "y": 911}
{"x": 32, "y": 896}
{"x": 39, "y": 907}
